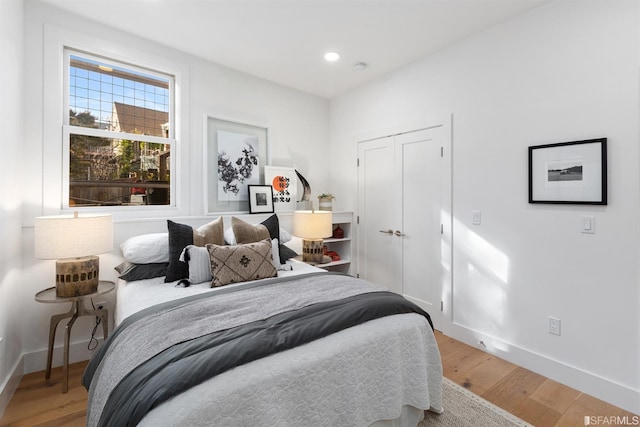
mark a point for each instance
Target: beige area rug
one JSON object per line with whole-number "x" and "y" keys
{"x": 463, "y": 408}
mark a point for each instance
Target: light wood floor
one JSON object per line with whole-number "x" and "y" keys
{"x": 534, "y": 398}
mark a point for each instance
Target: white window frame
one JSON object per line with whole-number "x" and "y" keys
{"x": 68, "y": 129}
{"x": 43, "y": 139}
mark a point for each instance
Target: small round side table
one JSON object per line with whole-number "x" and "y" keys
{"x": 77, "y": 309}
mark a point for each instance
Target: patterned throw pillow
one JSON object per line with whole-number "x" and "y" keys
{"x": 241, "y": 263}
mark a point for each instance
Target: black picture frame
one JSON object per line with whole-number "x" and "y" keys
{"x": 569, "y": 172}
{"x": 260, "y": 199}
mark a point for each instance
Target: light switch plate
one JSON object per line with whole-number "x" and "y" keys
{"x": 476, "y": 217}
{"x": 588, "y": 224}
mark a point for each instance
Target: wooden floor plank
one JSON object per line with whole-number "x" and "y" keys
{"x": 486, "y": 375}
{"x": 536, "y": 413}
{"x": 511, "y": 391}
{"x": 556, "y": 396}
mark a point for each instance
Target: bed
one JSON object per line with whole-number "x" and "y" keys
{"x": 306, "y": 347}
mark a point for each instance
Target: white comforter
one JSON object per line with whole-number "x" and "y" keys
{"x": 386, "y": 369}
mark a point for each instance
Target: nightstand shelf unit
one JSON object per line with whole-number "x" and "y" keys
{"x": 342, "y": 246}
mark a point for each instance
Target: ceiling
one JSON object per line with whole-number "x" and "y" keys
{"x": 284, "y": 40}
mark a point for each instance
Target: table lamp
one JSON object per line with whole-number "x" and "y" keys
{"x": 312, "y": 226}
{"x": 74, "y": 241}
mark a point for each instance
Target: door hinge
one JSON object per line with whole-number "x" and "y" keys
{"x": 441, "y": 151}
{"x": 358, "y": 163}
{"x": 441, "y": 228}
{"x": 441, "y": 305}
{"x": 358, "y": 219}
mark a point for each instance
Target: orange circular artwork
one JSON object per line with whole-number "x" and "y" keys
{"x": 279, "y": 183}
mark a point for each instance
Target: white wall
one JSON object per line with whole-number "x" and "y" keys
{"x": 11, "y": 71}
{"x": 565, "y": 71}
{"x": 298, "y": 125}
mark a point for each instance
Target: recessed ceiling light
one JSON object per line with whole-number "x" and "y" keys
{"x": 331, "y": 56}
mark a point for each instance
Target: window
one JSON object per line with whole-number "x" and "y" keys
{"x": 118, "y": 133}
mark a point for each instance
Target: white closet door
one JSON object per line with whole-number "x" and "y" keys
{"x": 378, "y": 257}
{"x": 418, "y": 166}
{"x": 404, "y": 210}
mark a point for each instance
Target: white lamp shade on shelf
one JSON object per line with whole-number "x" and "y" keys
{"x": 73, "y": 236}
{"x": 312, "y": 225}
{"x": 74, "y": 241}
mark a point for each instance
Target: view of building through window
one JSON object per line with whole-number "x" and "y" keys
{"x": 119, "y": 133}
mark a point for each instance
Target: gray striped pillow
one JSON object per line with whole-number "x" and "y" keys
{"x": 199, "y": 263}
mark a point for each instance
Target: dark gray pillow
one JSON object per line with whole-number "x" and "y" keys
{"x": 129, "y": 271}
{"x": 286, "y": 253}
{"x": 273, "y": 225}
{"x": 180, "y": 236}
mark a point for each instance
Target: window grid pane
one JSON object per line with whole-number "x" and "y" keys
{"x": 113, "y": 95}
{"x": 108, "y": 171}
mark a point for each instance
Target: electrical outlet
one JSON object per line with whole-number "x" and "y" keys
{"x": 554, "y": 326}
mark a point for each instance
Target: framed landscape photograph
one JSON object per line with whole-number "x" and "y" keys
{"x": 260, "y": 199}
{"x": 285, "y": 187}
{"x": 235, "y": 156}
{"x": 569, "y": 172}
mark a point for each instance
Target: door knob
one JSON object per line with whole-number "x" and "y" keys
{"x": 386, "y": 231}
{"x": 398, "y": 233}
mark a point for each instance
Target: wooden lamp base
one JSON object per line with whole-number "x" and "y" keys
{"x": 312, "y": 251}
{"x": 77, "y": 276}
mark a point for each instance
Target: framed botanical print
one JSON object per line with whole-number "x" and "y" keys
{"x": 235, "y": 156}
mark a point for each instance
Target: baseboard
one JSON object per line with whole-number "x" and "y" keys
{"x": 602, "y": 388}
{"x": 37, "y": 360}
{"x": 11, "y": 384}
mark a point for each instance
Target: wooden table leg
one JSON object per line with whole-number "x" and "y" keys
{"x": 55, "y": 320}
{"x": 65, "y": 363}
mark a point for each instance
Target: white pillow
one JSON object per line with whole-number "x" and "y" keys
{"x": 146, "y": 248}
{"x": 275, "y": 254}
{"x": 199, "y": 263}
{"x": 285, "y": 236}
{"x": 229, "y": 237}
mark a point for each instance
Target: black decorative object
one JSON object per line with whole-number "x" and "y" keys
{"x": 306, "y": 193}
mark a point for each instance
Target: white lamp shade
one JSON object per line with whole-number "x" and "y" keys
{"x": 312, "y": 225}
{"x": 73, "y": 236}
